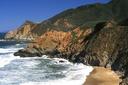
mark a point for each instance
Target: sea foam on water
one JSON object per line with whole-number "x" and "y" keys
{"x": 29, "y": 70}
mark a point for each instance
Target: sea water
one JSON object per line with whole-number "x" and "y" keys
{"x": 37, "y": 70}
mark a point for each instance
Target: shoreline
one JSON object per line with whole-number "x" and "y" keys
{"x": 102, "y": 76}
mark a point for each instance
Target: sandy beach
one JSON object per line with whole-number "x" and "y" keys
{"x": 102, "y": 76}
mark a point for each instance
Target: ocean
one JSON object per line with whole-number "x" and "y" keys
{"x": 37, "y": 70}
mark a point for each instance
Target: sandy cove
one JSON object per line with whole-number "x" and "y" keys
{"x": 102, "y": 76}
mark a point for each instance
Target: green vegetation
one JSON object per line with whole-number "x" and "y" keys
{"x": 86, "y": 14}
{"x": 74, "y": 37}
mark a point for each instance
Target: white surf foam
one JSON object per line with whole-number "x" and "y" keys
{"x": 6, "y": 59}
{"x": 76, "y": 76}
{"x": 31, "y": 63}
{"x": 7, "y": 56}
{"x": 9, "y": 50}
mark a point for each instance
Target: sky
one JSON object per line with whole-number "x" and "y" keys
{"x": 14, "y": 13}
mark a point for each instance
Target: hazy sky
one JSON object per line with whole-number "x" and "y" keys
{"x": 14, "y": 12}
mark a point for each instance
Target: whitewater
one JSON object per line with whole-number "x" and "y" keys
{"x": 38, "y": 70}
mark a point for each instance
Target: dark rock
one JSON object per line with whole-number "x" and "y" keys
{"x": 106, "y": 46}
{"x": 123, "y": 22}
{"x": 109, "y": 47}
{"x": 24, "y": 53}
{"x": 61, "y": 61}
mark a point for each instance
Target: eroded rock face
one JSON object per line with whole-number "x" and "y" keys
{"x": 105, "y": 46}
{"x": 70, "y": 19}
{"x": 55, "y": 42}
{"x": 62, "y": 36}
{"x": 24, "y": 32}
{"x": 11, "y": 34}
{"x": 108, "y": 48}
{"x": 65, "y": 21}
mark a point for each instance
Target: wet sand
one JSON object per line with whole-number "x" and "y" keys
{"x": 102, "y": 76}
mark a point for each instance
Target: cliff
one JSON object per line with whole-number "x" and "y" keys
{"x": 56, "y": 42}
{"x": 108, "y": 48}
{"x": 24, "y": 32}
{"x": 70, "y": 19}
{"x": 65, "y": 21}
{"x": 104, "y": 46}
{"x": 95, "y": 35}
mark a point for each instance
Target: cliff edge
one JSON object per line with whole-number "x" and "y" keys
{"x": 95, "y": 35}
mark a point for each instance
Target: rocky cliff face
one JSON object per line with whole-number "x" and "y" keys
{"x": 95, "y": 35}
{"x": 105, "y": 46}
{"x": 108, "y": 48}
{"x": 24, "y": 32}
{"x": 70, "y": 19}
{"x": 64, "y": 21}
{"x": 56, "y": 42}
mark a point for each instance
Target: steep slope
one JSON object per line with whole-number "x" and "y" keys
{"x": 69, "y": 19}
{"x": 23, "y": 32}
{"x": 119, "y": 8}
{"x": 56, "y": 42}
{"x": 73, "y": 18}
{"x": 108, "y": 48}
{"x": 105, "y": 46}
{"x": 95, "y": 35}
{"x": 65, "y": 21}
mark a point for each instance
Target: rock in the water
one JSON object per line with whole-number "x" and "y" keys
{"x": 70, "y": 35}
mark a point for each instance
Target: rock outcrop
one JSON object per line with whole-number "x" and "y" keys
{"x": 64, "y": 21}
{"x": 70, "y": 19}
{"x": 108, "y": 48}
{"x": 24, "y": 32}
{"x": 104, "y": 46}
{"x": 95, "y": 35}
{"x": 56, "y": 42}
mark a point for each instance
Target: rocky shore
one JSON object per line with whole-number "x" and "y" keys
{"x": 97, "y": 40}
{"x": 104, "y": 46}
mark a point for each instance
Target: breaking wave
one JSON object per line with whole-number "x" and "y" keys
{"x": 39, "y": 70}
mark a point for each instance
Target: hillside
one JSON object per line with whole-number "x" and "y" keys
{"x": 24, "y": 32}
{"x": 119, "y": 8}
{"x": 70, "y": 19}
{"x": 67, "y": 20}
{"x": 95, "y": 35}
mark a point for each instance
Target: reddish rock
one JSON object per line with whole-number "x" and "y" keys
{"x": 24, "y": 32}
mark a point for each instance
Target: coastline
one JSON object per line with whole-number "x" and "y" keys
{"x": 102, "y": 76}
{"x": 99, "y": 39}
{"x": 93, "y": 74}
